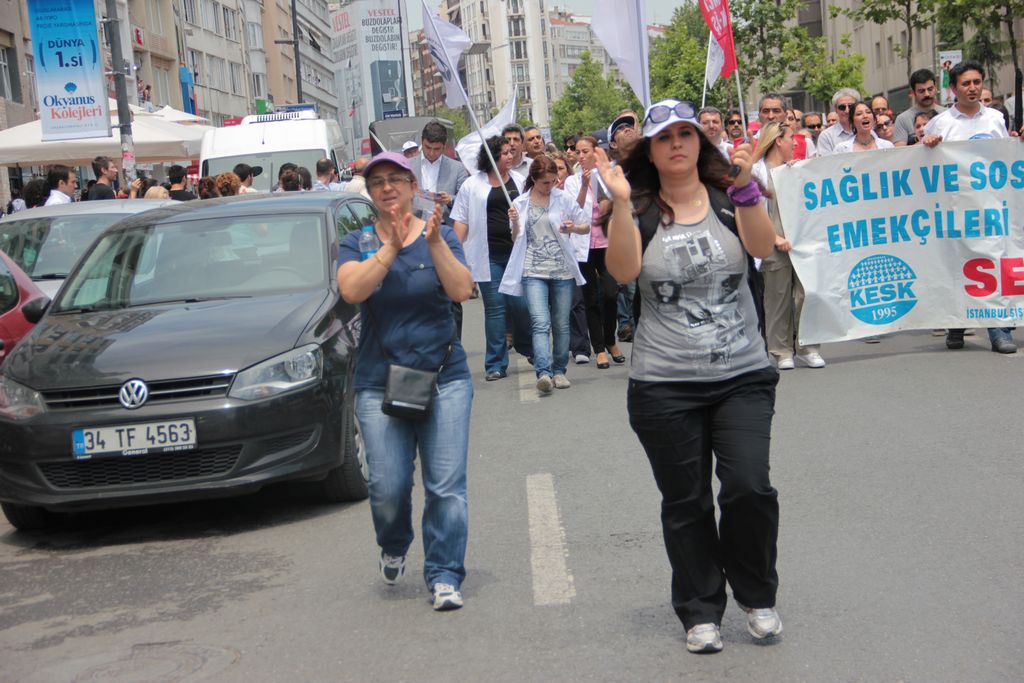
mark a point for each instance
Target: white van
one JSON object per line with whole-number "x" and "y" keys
{"x": 269, "y": 140}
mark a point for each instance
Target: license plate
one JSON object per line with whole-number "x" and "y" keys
{"x": 136, "y": 439}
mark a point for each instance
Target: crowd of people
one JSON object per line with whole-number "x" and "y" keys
{"x": 661, "y": 230}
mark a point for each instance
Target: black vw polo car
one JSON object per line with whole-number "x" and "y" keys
{"x": 197, "y": 350}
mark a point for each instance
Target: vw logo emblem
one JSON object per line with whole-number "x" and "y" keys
{"x": 133, "y": 393}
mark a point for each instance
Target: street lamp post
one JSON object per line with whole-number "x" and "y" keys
{"x": 124, "y": 114}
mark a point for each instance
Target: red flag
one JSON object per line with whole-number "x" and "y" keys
{"x": 716, "y": 14}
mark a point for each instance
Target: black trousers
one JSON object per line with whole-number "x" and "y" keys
{"x": 601, "y": 294}
{"x": 579, "y": 338}
{"x": 680, "y": 425}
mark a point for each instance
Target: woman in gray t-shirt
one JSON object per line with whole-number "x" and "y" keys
{"x": 701, "y": 381}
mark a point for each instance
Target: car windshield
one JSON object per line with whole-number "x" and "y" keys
{"x": 270, "y": 162}
{"x": 240, "y": 256}
{"x": 49, "y": 247}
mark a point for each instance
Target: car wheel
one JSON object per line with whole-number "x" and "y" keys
{"x": 349, "y": 481}
{"x": 29, "y": 517}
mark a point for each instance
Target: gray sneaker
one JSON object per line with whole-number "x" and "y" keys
{"x": 544, "y": 384}
{"x": 445, "y": 597}
{"x": 763, "y": 622}
{"x": 704, "y": 638}
{"x": 562, "y": 382}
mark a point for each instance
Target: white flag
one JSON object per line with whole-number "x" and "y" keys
{"x": 621, "y": 26}
{"x": 716, "y": 60}
{"x": 469, "y": 147}
{"x": 447, "y": 43}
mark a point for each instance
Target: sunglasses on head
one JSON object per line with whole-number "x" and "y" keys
{"x": 659, "y": 113}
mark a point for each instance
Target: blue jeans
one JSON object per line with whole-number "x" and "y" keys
{"x": 624, "y": 303}
{"x": 443, "y": 443}
{"x": 549, "y": 302}
{"x": 495, "y": 305}
{"x": 997, "y": 333}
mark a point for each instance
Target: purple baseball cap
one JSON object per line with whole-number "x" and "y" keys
{"x": 395, "y": 158}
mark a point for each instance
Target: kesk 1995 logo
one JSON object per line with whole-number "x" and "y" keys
{"x": 881, "y": 289}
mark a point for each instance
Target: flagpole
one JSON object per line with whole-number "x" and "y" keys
{"x": 707, "y": 59}
{"x": 644, "y": 57}
{"x": 739, "y": 95}
{"x": 465, "y": 96}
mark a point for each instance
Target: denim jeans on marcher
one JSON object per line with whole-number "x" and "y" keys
{"x": 495, "y": 304}
{"x": 997, "y": 333}
{"x": 549, "y": 302}
{"x": 443, "y": 442}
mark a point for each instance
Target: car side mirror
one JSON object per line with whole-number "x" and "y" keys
{"x": 35, "y": 309}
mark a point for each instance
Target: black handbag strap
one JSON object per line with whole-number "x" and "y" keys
{"x": 380, "y": 339}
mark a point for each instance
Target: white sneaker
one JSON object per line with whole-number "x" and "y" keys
{"x": 811, "y": 360}
{"x": 763, "y": 622}
{"x": 562, "y": 382}
{"x": 786, "y": 364}
{"x": 704, "y": 638}
{"x": 544, "y": 384}
{"x": 581, "y": 359}
{"x": 445, "y": 597}
{"x": 392, "y": 568}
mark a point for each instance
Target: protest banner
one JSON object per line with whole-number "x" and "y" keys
{"x": 70, "y": 83}
{"x": 913, "y": 238}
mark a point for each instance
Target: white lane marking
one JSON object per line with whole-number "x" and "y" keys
{"x": 552, "y": 582}
{"x": 527, "y": 381}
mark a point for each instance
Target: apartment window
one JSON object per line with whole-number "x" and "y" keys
{"x": 156, "y": 24}
{"x": 255, "y": 35}
{"x": 195, "y": 63}
{"x": 218, "y": 77}
{"x": 230, "y": 24}
{"x": 518, "y": 49}
{"x": 891, "y": 49}
{"x": 6, "y": 91}
{"x": 917, "y": 39}
{"x": 235, "y": 71}
{"x": 485, "y": 31}
{"x": 903, "y": 39}
{"x": 212, "y": 16}
{"x": 259, "y": 85}
{"x": 524, "y": 93}
{"x": 162, "y": 78}
{"x": 878, "y": 53}
{"x": 191, "y": 11}
{"x": 30, "y": 78}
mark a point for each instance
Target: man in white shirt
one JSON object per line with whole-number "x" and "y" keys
{"x": 711, "y": 121}
{"x": 533, "y": 141}
{"x": 968, "y": 119}
{"x": 62, "y": 183}
{"x": 843, "y": 103}
{"x": 435, "y": 171}
{"x": 922, "y": 92}
{"x": 513, "y": 134}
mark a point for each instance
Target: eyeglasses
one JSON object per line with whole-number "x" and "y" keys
{"x": 377, "y": 182}
{"x": 814, "y": 126}
{"x": 883, "y": 124}
{"x": 734, "y": 122}
{"x": 570, "y": 148}
{"x": 843, "y": 107}
{"x": 659, "y": 113}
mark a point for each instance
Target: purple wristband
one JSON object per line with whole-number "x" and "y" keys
{"x": 748, "y": 195}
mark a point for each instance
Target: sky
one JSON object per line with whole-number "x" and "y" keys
{"x": 658, "y": 11}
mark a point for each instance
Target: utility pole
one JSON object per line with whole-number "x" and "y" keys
{"x": 294, "y": 42}
{"x": 124, "y": 114}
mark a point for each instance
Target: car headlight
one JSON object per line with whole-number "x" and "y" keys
{"x": 290, "y": 371}
{"x": 18, "y": 402}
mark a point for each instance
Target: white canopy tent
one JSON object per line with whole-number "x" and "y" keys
{"x": 166, "y": 135}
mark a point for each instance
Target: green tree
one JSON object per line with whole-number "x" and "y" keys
{"x": 821, "y": 75}
{"x": 460, "y": 128}
{"x": 678, "y": 57}
{"x": 989, "y": 18}
{"x": 765, "y": 33}
{"x": 590, "y": 101}
{"x": 912, "y": 14}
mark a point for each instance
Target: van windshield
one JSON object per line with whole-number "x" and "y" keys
{"x": 270, "y": 162}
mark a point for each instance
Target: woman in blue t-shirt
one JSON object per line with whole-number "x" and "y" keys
{"x": 406, "y": 289}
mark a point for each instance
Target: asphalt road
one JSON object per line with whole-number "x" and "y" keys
{"x": 900, "y": 478}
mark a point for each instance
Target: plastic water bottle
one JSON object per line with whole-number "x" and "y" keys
{"x": 369, "y": 243}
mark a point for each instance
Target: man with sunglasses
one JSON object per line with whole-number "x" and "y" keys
{"x": 812, "y": 122}
{"x": 734, "y": 126}
{"x": 842, "y": 102}
{"x": 922, "y": 91}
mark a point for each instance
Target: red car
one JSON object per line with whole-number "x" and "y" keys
{"x": 16, "y": 290}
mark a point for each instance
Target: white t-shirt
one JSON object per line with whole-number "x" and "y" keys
{"x": 953, "y": 124}
{"x": 847, "y": 145}
{"x": 430, "y": 170}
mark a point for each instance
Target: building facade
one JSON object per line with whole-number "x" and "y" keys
{"x": 215, "y": 47}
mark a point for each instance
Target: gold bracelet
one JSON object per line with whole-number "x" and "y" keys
{"x": 381, "y": 261}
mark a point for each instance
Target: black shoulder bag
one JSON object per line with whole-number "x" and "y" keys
{"x": 408, "y": 393}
